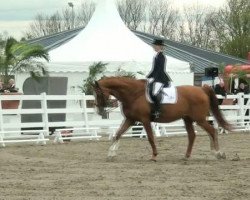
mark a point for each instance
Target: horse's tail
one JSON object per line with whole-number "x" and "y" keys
{"x": 214, "y": 106}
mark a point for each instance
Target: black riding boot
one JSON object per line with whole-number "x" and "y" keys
{"x": 157, "y": 105}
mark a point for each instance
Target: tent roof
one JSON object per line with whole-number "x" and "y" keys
{"x": 107, "y": 39}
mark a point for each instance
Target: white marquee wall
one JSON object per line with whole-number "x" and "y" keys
{"x": 75, "y": 79}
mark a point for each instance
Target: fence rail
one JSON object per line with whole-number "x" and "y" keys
{"x": 79, "y": 115}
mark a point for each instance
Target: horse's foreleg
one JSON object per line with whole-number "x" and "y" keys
{"x": 114, "y": 147}
{"x": 123, "y": 128}
{"x": 191, "y": 135}
{"x": 151, "y": 139}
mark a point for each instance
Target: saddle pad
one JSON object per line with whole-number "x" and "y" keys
{"x": 169, "y": 95}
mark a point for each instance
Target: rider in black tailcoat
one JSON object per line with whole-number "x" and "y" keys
{"x": 157, "y": 76}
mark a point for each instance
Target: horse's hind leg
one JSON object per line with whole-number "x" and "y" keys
{"x": 213, "y": 136}
{"x": 151, "y": 139}
{"x": 191, "y": 135}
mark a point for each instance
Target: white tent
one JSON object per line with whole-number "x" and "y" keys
{"x": 107, "y": 39}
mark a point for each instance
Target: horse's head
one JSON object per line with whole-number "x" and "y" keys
{"x": 101, "y": 98}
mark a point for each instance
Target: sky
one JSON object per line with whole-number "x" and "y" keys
{"x": 16, "y": 15}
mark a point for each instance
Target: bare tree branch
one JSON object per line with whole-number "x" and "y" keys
{"x": 196, "y": 28}
{"x": 57, "y": 22}
{"x": 162, "y": 18}
{"x": 132, "y": 12}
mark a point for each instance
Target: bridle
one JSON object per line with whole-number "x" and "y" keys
{"x": 100, "y": 92}
{"x": 104, "y": 102}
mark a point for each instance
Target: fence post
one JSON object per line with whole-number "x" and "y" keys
{"x": 157, "y": 130}
{"x": 1, "y": 125}
{"x": 1, "y": 115}
{"x": 85, "y": 110}
{"x": 247, "y": 106}
{"x": 45, "y": 117}
{"x": 242, "y": 109}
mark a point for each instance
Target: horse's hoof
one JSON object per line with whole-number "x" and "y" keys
{"x": 110, "y": 158}
{"x": 185, "y": 158}
{"x": 220, "y": 155}
{"x": 223, "y": 155}
{"x": 111, "y": 153}
{"x": 153, "y": 158}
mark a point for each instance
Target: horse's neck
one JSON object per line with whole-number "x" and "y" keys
{"x": 123, "y": 91}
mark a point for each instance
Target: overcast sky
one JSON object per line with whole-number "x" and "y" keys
{"x": 15, "y": 15}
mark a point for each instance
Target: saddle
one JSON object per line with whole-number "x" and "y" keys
{"x": 167, "y": 95}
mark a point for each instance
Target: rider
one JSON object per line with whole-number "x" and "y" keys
{"x": 157, "y": 78}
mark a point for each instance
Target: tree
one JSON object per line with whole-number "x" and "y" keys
{"x": 196, "y": 27}
{"x": 3, "y": 38}
{"x": 162, "y": 19}
{"x": 132, "y": 12}
{"x": 68, "y": 19}
{"x": 232, "y": 27}
{"x": 85, "y": 13}
{"x": 44, "y": 25}
{"x": 154, "y": 17}
{"x": 2, "y": 42}
{"x": 94, "y": 70}
{"x": 20, "y": 56}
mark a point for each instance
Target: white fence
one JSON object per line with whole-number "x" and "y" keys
{"x": 82, "y": 122}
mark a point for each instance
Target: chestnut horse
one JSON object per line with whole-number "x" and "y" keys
{"x": 193, "y": 105}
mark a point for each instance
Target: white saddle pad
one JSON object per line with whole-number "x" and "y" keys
{"x": 169, "y": 95}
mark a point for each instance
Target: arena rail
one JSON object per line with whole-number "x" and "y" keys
{"x": 80, "y": 115}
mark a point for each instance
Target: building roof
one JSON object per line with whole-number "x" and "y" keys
{"x": 198, "y": 58}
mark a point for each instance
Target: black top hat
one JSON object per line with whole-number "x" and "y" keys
{"x": 158, "y": 42}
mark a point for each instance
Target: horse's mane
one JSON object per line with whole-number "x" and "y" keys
{"x": 125, "y": 79}
{"x": 134, "y": 85}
